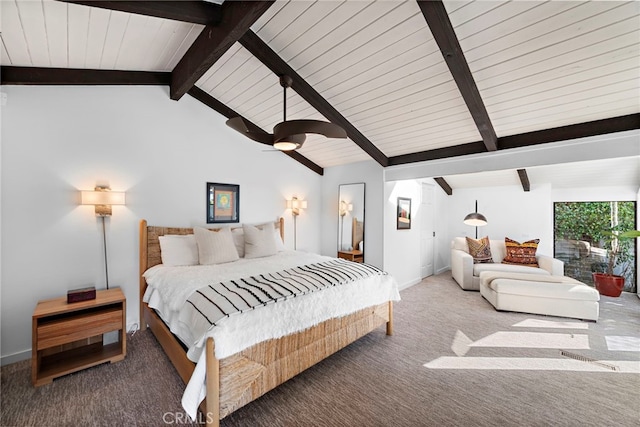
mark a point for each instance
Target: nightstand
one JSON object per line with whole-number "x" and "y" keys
{"x": 355, "y": 255}
{"x": 68, "y": 337}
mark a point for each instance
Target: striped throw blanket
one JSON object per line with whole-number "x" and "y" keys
{"x": 220, "y": 300}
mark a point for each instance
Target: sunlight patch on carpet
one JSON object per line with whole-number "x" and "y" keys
{"x": 622, "y": 343}
{"x": 461, "y": 343}
{"x": 539, "y": 323}
{"x": 529, "y": 364}
{"x": 533, "y": 340}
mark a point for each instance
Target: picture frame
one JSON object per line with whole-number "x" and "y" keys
{"x": 223, "y": 203}
{"x": 403, "y": 215}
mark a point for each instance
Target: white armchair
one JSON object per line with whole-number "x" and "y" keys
{"x": 467, "y": 274}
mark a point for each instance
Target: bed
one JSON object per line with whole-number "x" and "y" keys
{"x": 232, "y": 377}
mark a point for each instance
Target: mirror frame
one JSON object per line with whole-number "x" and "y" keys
{"x": 341, "y": 226}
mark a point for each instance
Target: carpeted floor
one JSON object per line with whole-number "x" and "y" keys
{"x": 483, "y": 368}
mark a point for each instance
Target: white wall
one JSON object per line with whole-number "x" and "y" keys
{"x": 371, "y": 173}
{"x": 402, "y": 247}
{"x": 59, "y": 140}
{"x": 510, "y": 212}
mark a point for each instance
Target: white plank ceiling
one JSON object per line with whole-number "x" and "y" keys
{"x": 537, "y": 65}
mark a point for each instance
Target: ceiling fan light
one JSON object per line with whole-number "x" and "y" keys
{"x": 286, "y": 145}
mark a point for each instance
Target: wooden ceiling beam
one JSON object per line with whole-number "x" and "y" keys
{"x": 195, "y": 12}
{"x": 438, "y": 153}
{"x": 444, "y": 185}
{"x": 279, "y": 67}
{"x": 563, "y": 133}
{"x": 524, "y": 179}
{"x": 438, "y": 20}
{"x": 213, "y": 42}
{"x": 223, "y": 109}
{"x": 74, "y": 76}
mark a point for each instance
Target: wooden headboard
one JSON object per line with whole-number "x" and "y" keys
{"x": 150, "y": 248}
{"x": 357, "y": 233}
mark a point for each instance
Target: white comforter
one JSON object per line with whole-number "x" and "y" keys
{"x": 170, "y": 287}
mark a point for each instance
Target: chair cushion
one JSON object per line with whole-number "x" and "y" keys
{"x": 521, "y": 253}
{"x": 480, "y": 249}
{"x": 511, "y": 268}
{"x": 565, "y": 290}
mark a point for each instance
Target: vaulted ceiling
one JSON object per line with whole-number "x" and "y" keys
{"x": 408, "y": 80}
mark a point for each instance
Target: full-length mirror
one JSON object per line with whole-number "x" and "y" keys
{"x": 351, "y": 221}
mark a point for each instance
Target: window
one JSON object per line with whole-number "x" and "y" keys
{"x": 580, "y": 237}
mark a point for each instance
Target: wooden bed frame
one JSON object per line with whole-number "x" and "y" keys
{"x": 236, "y": 380}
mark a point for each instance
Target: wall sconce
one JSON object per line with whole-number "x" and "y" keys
{"x": 345, "y": 207}
{"x": 295, "y": 205}
{"x": 103, "y": 198}
{"x": 475, "y": 219}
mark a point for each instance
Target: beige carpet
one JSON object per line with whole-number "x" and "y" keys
{"x": 453, "y": 361}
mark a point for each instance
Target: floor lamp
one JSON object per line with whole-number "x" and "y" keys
{"x": 102, "y": 198}
{"x": 475, "y": 219}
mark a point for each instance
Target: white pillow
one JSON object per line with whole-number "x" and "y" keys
{"x": 215, "y": 247}
{"x": 238, "y": 240}
{"x": 259, "y": 242}
{"x": 178, "y": 249}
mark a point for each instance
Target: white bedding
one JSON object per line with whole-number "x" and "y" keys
{"x": 170, "y": 287}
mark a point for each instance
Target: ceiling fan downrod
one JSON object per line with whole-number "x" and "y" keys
{"x": 285, "y": 82}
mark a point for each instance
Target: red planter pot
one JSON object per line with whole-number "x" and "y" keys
{"x": 607, "y": 285}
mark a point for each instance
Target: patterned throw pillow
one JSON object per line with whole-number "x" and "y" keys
{"x": 521, "y": 253}
{"x": 480, "y": 250}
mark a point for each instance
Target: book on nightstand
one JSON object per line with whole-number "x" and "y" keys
{"x": 83, "y": 294}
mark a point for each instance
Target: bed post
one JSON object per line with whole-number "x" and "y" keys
{"x": 143, "y": 268}
{"x": 281, "y": 221}
{"x": 213, "y": 386}
{"x": 390, "y": 322}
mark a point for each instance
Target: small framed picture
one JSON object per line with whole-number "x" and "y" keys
{"x": 404, "y": 213}
{"x": 223, "y": 203}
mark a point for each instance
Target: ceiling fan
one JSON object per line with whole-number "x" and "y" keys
{"x": 287, "y": 135}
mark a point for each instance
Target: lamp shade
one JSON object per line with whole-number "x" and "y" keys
{"x": 102, "y": 198}
{"x": 345, "y": 207}
{"x": 296, "y": 204}
{"x": 475, "y": 219}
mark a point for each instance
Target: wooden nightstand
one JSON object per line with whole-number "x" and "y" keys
{"x": 355, "y": 256}
{"x": 68, "y": 337}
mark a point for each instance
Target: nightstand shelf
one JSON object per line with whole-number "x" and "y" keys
{"x": 68, "y": 337}
{"x": 355, "y": 255}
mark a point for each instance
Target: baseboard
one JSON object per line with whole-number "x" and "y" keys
{"x": 443, "y": 269}
{"x": 409, "y": 283}
{"x": 16, "y": 357}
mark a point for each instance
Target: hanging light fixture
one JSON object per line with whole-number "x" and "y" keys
{"x": 475, "y": 219}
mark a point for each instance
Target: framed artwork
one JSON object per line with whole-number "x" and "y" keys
{"x": 223, "y": 203}
{"x": 404, "y": 214}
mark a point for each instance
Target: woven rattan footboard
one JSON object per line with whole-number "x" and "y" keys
{"x": 234, "y": 381}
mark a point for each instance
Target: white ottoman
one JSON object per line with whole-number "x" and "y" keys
{"x": 531, "y": 293}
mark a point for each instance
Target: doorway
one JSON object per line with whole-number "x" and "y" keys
{"x": 427, "y": 231}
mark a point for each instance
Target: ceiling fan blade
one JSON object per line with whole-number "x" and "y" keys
{"x": 240, "y": 125}
{"x": 294, "y": 127}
